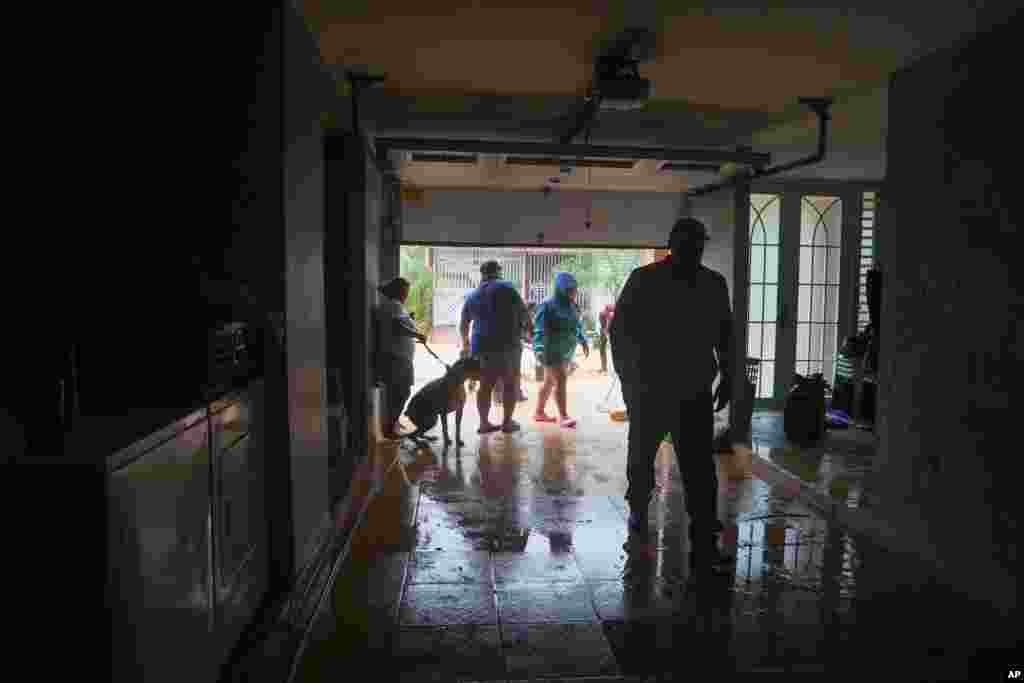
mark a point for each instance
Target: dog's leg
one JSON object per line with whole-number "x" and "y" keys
{"x": 444, "y": 428}
{"x": 458, "y": 424}
{"x": 428, "y": 423}
{"x": 416, "y": 437}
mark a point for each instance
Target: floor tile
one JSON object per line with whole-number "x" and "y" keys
{"x": 550, "y": 603}
{"x": 598, "y": 565}
{"x": 547, "y": 650}
{"x": 615, "y": 600}
{"x": 648, "y": 562}
{"x": 449, "y": 653}
{"x": 548, "y": 505}
{"x": 447, "y": 605}
{"x": 369, "y": 592}
{"x": 535, "y": 568}
{"x": 450, "y": 566}
{"x": 441, "y": 535}
{"x": 659, "y": 646}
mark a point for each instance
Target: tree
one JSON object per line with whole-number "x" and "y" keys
{"x": 604, "y": 270}
{"x": 600, "y": 270}
{"x": 421, "y": 291}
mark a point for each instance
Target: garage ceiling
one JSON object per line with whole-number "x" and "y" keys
{"x": 723, "y": 76}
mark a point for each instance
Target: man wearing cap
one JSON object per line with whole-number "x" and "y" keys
{"x": 497, "y": 314}
{"x": 670, "y": 336}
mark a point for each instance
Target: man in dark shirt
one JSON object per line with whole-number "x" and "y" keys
{"x": 497, "y": 314}
{"x": 665, "y": 356}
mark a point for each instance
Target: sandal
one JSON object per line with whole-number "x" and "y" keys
{"x": 510, "y": 426}
{"x": 541, "y": 417}
{"x": 567, "y": 422}
{"x": 487, "y": 429}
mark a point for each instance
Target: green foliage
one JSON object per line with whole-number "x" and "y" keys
{"x": 412, "y": 266}
{"x": 601, "y": 269}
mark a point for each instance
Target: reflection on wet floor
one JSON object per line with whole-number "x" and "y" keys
{"x": 510, "y": 559}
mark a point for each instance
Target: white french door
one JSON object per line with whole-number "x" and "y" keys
{"x": 764, "y": 273}
{"x": 801, "y": 281}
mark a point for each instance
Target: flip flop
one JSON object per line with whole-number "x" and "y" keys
{"x": 544, "y": 418}
{"x": 487, "y": 429}
{"x": 510, "y": 426}
{"x": 568, "y": 423}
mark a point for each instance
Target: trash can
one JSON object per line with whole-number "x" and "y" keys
{"x": 804, "y": 414}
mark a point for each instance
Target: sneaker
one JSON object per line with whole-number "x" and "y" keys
{"x": 487, "y": 429}
{"x": 510, "y": 426}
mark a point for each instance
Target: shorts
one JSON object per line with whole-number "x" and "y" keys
{"x": 553, "y": 361}
{"x": 505, "y": 362}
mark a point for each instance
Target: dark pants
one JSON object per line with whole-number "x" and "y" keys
{"x": 691, "y": 422}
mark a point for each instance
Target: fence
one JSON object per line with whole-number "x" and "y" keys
{"x": 457, "y": 273}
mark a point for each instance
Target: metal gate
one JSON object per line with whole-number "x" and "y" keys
{"x": 457, "y": 273}
{"x": 540, "y": 279}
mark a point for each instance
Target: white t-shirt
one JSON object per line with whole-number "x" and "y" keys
{"x": 402, "y": 346}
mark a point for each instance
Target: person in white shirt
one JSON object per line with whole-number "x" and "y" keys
{"x": 396, "y": 349}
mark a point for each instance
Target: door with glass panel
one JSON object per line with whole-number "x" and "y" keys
{"x": 818, "y": 283}
{"x": 764, "y": 274}
{"x": 796, "y": 286}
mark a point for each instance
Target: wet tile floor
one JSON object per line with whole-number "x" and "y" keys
{"x": 509, "y": 560}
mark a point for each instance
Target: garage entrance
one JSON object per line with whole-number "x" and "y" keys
{"x": 442, "y": 276}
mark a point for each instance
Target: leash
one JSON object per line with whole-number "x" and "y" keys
{"x": 431, "y": 352}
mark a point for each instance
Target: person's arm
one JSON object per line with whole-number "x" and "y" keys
{"x": 464, "y": 323}
{"x": 724, "y": 338}
{"x": 724, "y": 344}
{"x": 402, "y": 328}
{"x": 525, "y": 324}
{"x": 620, "y": 332}
{"x": 538, "y": 329}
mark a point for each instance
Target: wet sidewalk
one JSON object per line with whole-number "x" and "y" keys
{"x": 509, "y": 559}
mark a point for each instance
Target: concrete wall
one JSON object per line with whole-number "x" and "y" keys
{"x": 308, "y": 91}
{"x": 375, "y": 242}
{"x": 500, "y": 218}
{"x": 951, "y": 309}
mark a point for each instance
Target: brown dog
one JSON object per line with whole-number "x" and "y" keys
{"x": 438, "y": 398}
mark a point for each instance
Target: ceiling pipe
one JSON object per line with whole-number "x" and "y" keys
{"x": 548, "y": 149}
{"x": 820, "y": 106}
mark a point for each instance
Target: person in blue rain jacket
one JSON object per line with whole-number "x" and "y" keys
{"x": 557, "y": 329}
